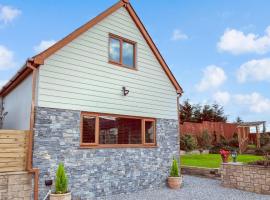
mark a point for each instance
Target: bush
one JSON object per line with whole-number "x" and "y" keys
{"x": 265, "y": 162}
{"x": 223, "y": 140}
{"x": 205, "y": 140}
{"x": 234, "y": 141}
{"x": 265, "y": 139}
{"x": 188, "y": 143}
{"x": 216, "y": 148}
{"x": 174, "y": 169}
{"x": 61, "y": 181}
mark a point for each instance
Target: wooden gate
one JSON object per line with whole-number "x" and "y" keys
{"x": 13, "y": 150}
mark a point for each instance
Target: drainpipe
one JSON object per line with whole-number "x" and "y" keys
{"x": 29, "y": 166}
{"x": 178, "y": 115}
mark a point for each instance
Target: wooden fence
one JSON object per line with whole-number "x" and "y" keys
{"x": 13, "y": 150}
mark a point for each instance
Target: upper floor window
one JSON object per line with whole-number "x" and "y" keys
{"x": 122, "y": 51}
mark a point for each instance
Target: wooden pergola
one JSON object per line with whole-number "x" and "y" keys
{"x": 255, "y": 124}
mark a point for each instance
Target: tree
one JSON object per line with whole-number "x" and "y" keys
{"x": 218, "y": 113}
{"x": 238, "y": 120}
{"x": 198, "y": 113}
{"x": 186, "y": 110}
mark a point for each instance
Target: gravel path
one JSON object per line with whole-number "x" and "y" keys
{"x": 194, "y": 188}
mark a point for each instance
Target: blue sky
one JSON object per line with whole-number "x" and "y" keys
{"x": 218, "y": 50}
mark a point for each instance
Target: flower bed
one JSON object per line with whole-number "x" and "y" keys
{"x": 252, "y": 178}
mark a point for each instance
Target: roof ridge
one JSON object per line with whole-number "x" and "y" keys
{"x": 39, "y": 58}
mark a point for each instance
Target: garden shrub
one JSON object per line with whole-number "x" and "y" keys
{"x": 188, "y": 142}
{"x": 265, "y": 139}
{"x": 259, "y": 152}
{"x": 206, "y": 140}
{"x": 223, "y": 140}
{"x": 174, "y": 169}
{"x": 266, "y": 148}
{"x": 265, "y": 162}
{"x": 216, "y": 148}
{"x": 234, "y": 141}
{"x": 61, "y": 180}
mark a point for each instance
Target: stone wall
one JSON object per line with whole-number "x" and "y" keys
{"x": 100, "y": 172}
{"x": 246, "y": 177}
{"x": 15, "y": 186}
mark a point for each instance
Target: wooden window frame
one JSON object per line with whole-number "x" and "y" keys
{"x": 97, "y": 145}
{"x": 121, "y": 40}
{"x": 149, "y": 120}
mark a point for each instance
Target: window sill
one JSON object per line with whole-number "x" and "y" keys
{"x": 116, "y": 146}
{"x": 121, "y": 65}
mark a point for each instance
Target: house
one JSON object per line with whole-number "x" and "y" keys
{"x": 102, "y": 101}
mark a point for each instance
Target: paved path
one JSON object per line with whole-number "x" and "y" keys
{"x": 194, "y": 188}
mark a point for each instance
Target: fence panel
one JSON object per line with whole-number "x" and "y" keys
{"x": 13, "y": 150}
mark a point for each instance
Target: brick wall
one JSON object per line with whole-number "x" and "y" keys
{"x": 15, "y": 185}
{"x": 246, "y": 177}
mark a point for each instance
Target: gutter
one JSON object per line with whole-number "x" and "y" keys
{"x": 178, "y": 115}
{"x": 29, "y": 167}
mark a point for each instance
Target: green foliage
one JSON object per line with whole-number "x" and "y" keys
{"x": 174, "y": 169}
{"x": 265, "y": 139}
{"x": 223, "y": 140}
{"x": 217, "y": 147}
{"x": 188, "y": 142}
{"x": 206, "y": 140}
{"x": 198, "y": 113}
{"x": 238, "y": 120}
{"x": 234, "y": 141}
{"x": 61, "y": 180}
{"x": 186, "y": 111}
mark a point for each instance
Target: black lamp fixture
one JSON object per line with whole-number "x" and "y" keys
{"x": 125, "y": 91}
{"x": 234, "y": 155}
{"x": 48, "y": 182}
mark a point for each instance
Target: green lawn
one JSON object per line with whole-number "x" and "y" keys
{"x": 213, "y": 160}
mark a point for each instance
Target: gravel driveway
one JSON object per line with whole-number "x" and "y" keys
{"x": 194, "y": 188}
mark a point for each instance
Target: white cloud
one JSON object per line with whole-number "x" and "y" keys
{"x": 213, "y": 77}
{"x": 255, "y": 101}
{"x": 178, "y": 35}
{"x": 6, "y": 58}
{"x": 237, "y": 42}
{"x": 256, "y": 70}
{"x": 43, "y": 45}
{"x": 8, "y": 14}
{"x": 222, "y": 97}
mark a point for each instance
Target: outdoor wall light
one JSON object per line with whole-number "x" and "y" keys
{"x": 48, "y": 182}
{"x": 234, "y": 155}
{"x": 125, "y": 91}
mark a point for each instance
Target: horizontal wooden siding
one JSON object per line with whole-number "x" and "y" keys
{"x": 79, "y": 76}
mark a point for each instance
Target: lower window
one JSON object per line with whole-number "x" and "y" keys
{"x": 112, "y": 131}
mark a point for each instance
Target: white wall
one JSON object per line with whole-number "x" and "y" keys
{"x": 18, "y": 105}
{"x": 79, "y": 77}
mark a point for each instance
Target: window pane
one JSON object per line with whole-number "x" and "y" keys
{"x": 118, "y": 130}
{"x": 114, "y": 50}
{"x": 149, "y": 132}
{"x": 88, "y": 135}
{"x": 128, "y": 54}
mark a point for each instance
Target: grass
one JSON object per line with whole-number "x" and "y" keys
{"x": 252, "y": 146}
{"x": 213, "y": 160}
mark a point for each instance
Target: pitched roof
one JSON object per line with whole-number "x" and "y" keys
{"x": 39, "y": 59}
